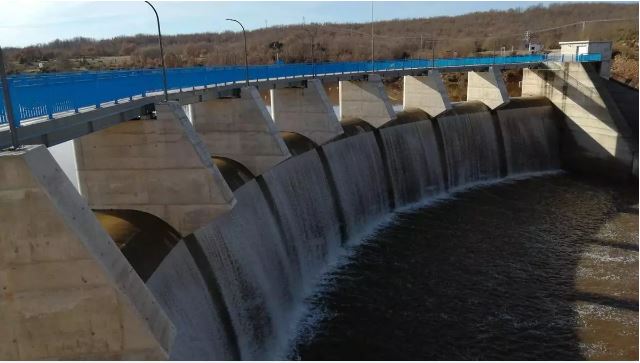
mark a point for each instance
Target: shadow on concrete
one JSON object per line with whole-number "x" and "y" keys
{"x": 297, "y": 143}
{"x": 588, "y": 156}
{"x": 233, "y": 172}
{"x": 144, "y": 239}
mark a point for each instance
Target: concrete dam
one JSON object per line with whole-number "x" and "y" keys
{"x": 234, "y": 287}
{"x": 203, "y": 224}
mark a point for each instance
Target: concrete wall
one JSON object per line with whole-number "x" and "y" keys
{"x": 306, "y": 111}
{"x": 427, "y": 93}
{"x": 66, "y": 291}
{"x": 487, "y": 87}
{"x": 598, "y": 134}
{"x": 240, "y": 129}
{"x": 366, "y": 100}
{"x": 156, "y": 166}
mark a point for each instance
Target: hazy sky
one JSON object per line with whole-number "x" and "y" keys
{"x": 25, "y": 22}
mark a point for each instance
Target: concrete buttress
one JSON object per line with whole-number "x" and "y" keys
{"x": 66, "y": 291}
{"x": 427, "y": 93}
{"x": 305, "y": 110}
{"x": 241, "y": 129}
{"x": 366, "y": 100}
{"x": 488, "y": 88}
{"x": 156, "y": 166}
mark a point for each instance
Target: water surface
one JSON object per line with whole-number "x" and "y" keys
{"x": 544, "y": 268}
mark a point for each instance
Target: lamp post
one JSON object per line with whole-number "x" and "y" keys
{"x": 164, "y": 68}
{"x": 313, "y": 64}
{"x": 246, "y": 55}
{"x": 8, "y": 106}
{"x": 373, "y": 66}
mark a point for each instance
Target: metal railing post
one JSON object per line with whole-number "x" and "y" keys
{"x": 8, "y": 106}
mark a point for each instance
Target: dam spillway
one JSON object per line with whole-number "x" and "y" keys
{"x": 235, "y": 288}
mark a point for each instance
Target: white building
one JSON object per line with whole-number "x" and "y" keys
{"x": 570, "y": 50}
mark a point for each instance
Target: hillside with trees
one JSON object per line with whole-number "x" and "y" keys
{"x": 464, "y": 35}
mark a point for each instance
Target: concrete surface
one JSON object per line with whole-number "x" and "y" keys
{"x": 366, "y": 100}
{"x": 66, "y": 291}
{"x": 156, "y": 166}
{"x": 487, "y": 87}
{"x": 241, "y": 129}
{"x": 599, "y": 134}
{"x": 306, "y": 111}
{"x": 427, "y": 93}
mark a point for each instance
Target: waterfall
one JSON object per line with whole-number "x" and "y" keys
{"x": 470, "y": 145}
{"x": 234, "y": 289}
{"x": 358, "y": 172}
{"x": 413, "y": 160}
{"x": 183, "y": 293}
{"x": 305, "y": 206}
{"x": 530, "y": 139}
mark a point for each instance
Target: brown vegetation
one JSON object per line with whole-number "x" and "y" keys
{"x": 463, "y": 35}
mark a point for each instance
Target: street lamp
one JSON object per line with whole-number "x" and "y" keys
{"x": 8, "y": 106}
{"x": 373, "y": 65}
{"x": 246, "y": 55}
{"x": 313, "y": 65}
{"x": 164, "y": 68}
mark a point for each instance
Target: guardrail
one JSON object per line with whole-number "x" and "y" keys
{"x": 38, "y": 95}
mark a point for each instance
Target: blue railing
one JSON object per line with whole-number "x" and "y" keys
{"x": 50, "y": 93}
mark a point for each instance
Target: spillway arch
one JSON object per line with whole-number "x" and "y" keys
{"x": 143, "y": 238}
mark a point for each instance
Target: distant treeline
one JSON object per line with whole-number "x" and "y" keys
{"x": 464, "y": 35}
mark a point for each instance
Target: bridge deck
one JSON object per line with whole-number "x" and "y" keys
{"x": 54, "y": 108}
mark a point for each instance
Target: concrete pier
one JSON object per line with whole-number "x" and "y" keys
{"x": 599, "y": 137}
{"x": 157, "y": 166}
{"x": 66, "y": 291}
{"x": 427, "y": 93}
{"x": 366, "y": 100}
{"x": 305, "y": 110}
{"x": 487, "y": 87}
{"x": 241, "y": 129}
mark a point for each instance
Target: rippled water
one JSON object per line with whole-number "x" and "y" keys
{"x": 545, "y": 268}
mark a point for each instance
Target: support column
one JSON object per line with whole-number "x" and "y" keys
{"x": 426, "y": 93}
{"x": 487, "y": 87}
{"x": 306, "y": 111}
{"x": 157, "y": 166}
{"x": 366, "y": 100}
{"x": 66, "y": 291}
{"x": 600, "y": 137}
{"x": 240, "y": 129}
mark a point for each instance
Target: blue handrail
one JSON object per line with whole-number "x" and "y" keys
{"x": 45, "y": 94}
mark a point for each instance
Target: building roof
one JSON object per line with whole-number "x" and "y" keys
{"x": 585, "y": 41}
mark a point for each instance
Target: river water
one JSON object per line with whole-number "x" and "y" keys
{"x": 542, "y": 268}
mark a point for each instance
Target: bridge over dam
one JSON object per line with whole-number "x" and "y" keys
{"x": 202, "y": 222}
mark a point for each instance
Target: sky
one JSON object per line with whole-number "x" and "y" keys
{"x": 27, "y": 22}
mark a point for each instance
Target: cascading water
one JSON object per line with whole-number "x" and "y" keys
{"x": 181, "y": 289}
{"x": 470, "y": 145}
{"x": 530, "y": 139}
{"x": 305, "y": 206}
{"x": 234, "y": 289}
{"x": 413, "y": 161}
{"x": 358, "y": 172}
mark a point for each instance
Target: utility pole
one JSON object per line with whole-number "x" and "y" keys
{"x": 421, "y": 42}
{"x": 8, "y": 106}
{"x": 433, "y": 53}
